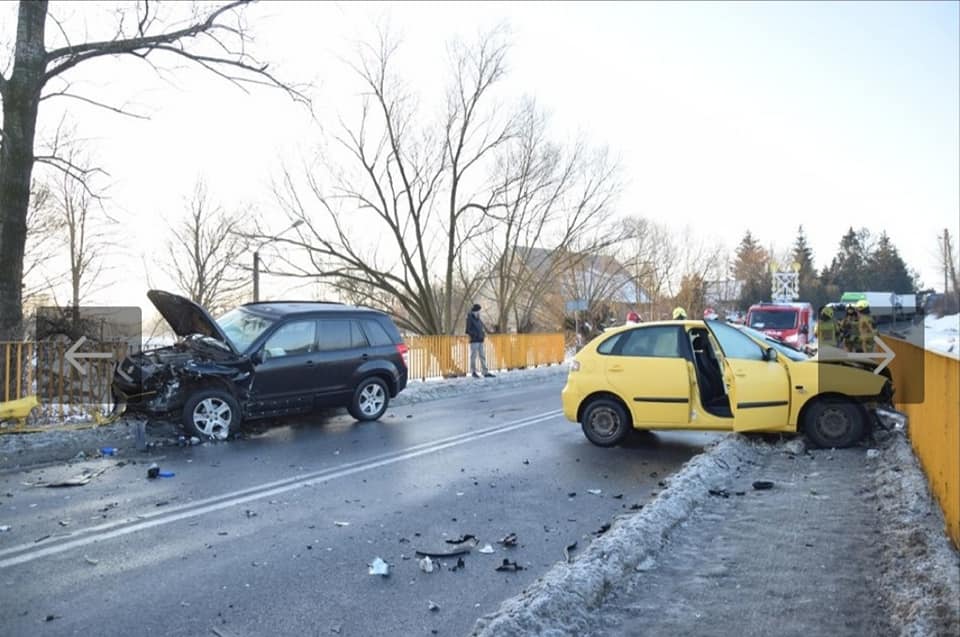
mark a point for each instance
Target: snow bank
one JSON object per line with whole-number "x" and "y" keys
{"x": 941, "y": 334}
{"x": 569, "y": 595}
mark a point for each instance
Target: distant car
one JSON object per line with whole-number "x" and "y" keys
{"x": 264, "y": 359}
{"x": 714, "y": 376}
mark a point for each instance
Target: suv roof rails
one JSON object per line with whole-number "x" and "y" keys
{"x": 280, "y": 301}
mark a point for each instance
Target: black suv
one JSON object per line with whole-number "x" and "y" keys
{"x": 264, "y": 359}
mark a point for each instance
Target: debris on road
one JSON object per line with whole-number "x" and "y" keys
{"x": 603, "y": 529}
{"x": 250, "y": 513}
{"x": 567, "y": 550}
{"x": 461, "y": 539}
{"x": 762, "y": 485}
{"x": 426, "y": 564}
{"x": 379, "y": 567}
{"x": 108, "y": 451}
{"x": 153, "y": 471}
{"x": 509, "y": 566}
{"x": 460, "y": 564}
{"x": 75, "y": 481}
{"x": 595, "y": 491}
{"x": 453, "y": 552}
{"x": 336, "y": 523}
{"x": 619, "y": 496}
{"x": 572, "y": 494}
{"x": 510, "y": 539}
{"x": 719, "y": 493}
{"x": 166, "y": 474}
{"x": 636, "y": 507}
{"x": 4, "y": 528}
{"x": 90, "y": 560}
{"x": 873, "y": 453}
{"x": 433, "y": 606}
{"x": 485, "y": 549}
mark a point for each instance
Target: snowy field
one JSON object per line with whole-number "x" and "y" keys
{"x": 940, "y": 334}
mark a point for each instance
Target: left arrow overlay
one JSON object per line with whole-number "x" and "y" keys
{"x": 73, "y": 357}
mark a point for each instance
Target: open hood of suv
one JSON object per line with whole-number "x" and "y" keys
{"x": 186, "y": 317}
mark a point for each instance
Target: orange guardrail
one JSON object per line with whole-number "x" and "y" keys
{"x": 934, "y": 428}
{"x": 26, "y": 370}
{"x": 448, "y": 356}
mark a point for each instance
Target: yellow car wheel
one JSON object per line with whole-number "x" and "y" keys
{"x": 834, "y": 423}
{"x": 605, "y": 422}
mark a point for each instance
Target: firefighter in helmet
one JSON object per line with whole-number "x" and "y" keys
{"x": 850, "y": 329}
{"x": 868, "y": 327}
{"x": 679, "y": 314}
{"x": 826, "y": 327}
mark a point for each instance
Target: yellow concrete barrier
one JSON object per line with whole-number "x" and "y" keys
{"x": 934, "y": 423}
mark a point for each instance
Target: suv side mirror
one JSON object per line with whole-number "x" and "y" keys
{"x": 257, "y": 357}
{"x": 804, "y": 329}
{"x": 769, "y": 354}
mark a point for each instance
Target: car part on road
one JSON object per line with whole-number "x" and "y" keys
{"x": 763, "y": 485}
{"x": 834, "y": 423}
{"x": 379, "y": 567}
{"x": 509, "y": 566}
{"x": 153, "y": 471}
{"x": 509, "y": 540}
{"x": 433, "y": 606}
{"x": 426, "y": 564}
{"x": 568, "y": 550}
{"x": 605, "y": 422}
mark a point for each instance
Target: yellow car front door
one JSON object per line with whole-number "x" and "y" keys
{"x": 647, "y": 370}
{"x": 759, "y": 388}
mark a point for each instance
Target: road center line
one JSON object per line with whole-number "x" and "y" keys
{"x": 29, "y": 552}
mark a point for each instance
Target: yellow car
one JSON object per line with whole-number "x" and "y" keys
{"x": 710, "y": 375}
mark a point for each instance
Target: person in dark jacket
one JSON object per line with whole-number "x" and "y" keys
{"x": 476, "y": 330}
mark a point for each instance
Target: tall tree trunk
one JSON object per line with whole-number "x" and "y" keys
{"x": 21, "y": 100}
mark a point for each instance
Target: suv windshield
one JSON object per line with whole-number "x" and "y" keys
{"x": 773, "y": 319}
{"x": 243, "y": 327}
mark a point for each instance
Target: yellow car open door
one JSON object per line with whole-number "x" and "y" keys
{"x": 758, "y": 384}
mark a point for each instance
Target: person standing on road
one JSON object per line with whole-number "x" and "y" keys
{"x": 679, "y": 314}
{"x": 826, "y": 328}
{"x": 850, "y": 329}
{"x": 477, "y": 331}
{"x": 867, "y": 327}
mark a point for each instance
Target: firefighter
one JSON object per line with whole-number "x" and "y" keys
{"x": 826, "y": 327}
{"x": 868, "y": 327}
{"x": 679, "y": 314}
{"x": 850, "y": 329}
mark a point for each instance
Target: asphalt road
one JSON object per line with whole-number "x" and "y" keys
{"x": 248, "y": 537}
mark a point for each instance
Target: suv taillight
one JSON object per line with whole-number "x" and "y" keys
{"x": 404, "y": 352}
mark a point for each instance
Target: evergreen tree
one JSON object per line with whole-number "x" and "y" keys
{"x": 848, "y": 270}
{"x": 811, "y": 288}
{"x": 752, "y": 266}
{"x": 887, "y": 271}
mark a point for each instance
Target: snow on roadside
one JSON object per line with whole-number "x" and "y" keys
{"x": 941, "y": 334}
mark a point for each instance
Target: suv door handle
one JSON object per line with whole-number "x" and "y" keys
{"x": 364, "y": 357}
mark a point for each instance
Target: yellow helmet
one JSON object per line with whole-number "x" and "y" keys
{"x": 679, "y": 314}
{"x": 862, "y": 304}
{"x": 827, "y": 312}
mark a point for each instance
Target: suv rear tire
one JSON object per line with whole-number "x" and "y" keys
{"x": 211, "y": 414}
{"x": 370, "y": 399}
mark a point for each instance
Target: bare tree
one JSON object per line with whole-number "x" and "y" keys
{"x": 205, "y": 251}
{"x": 216, "y": 39}
{"x": 555, "y": 212}
{"x": 80, "y": 225}
{"x": 651, "y": 252}
{"x": 41, "y": 246}
{"x": 396, "y": 225}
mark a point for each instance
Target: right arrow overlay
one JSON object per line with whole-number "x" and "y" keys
{"x": 885, "y": 356}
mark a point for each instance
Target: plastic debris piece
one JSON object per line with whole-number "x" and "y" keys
{"x": 426, "y": 564}
{"x": 619, "y": 496}
{"x": 719, "y": 493}
{"x": 636, "y": 507}
{"x": 567, "y": 550}
{"x": 762, "y": 485}
{"x": 510, "y": 539}
{"x": 460, "y": 564}
{"x": 379, "y": 567}
{"x": 90, "y": 560}
{"x": 595, "y": 491}
{"x": 462, "y": 539}
{"x": 153, "y": 471}
{"x": 873, "y": 453}
{"x": 166, "y": 474}
{"x": 108, "y": 451}
{"x": 76, "y": 481}
{"x": 603, "y": 529}
{"x": 251, "y": 514}
{"x": 486, "y": 549}
{"x": 509, "y": 566}
{"x": 433, "y": 606}
{"x": 572, "y": 494}
{"x": 194, "y": 440}
{"x": 336, "y": 523}
{"x": 4, "y": 528}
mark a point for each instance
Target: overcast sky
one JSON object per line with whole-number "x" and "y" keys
{"x": 754, "y": 115}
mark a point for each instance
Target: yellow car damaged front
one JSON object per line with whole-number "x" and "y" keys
{"x": 712, "y": 376}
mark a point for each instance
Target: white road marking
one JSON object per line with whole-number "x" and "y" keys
{"x": 82, "y": 537}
